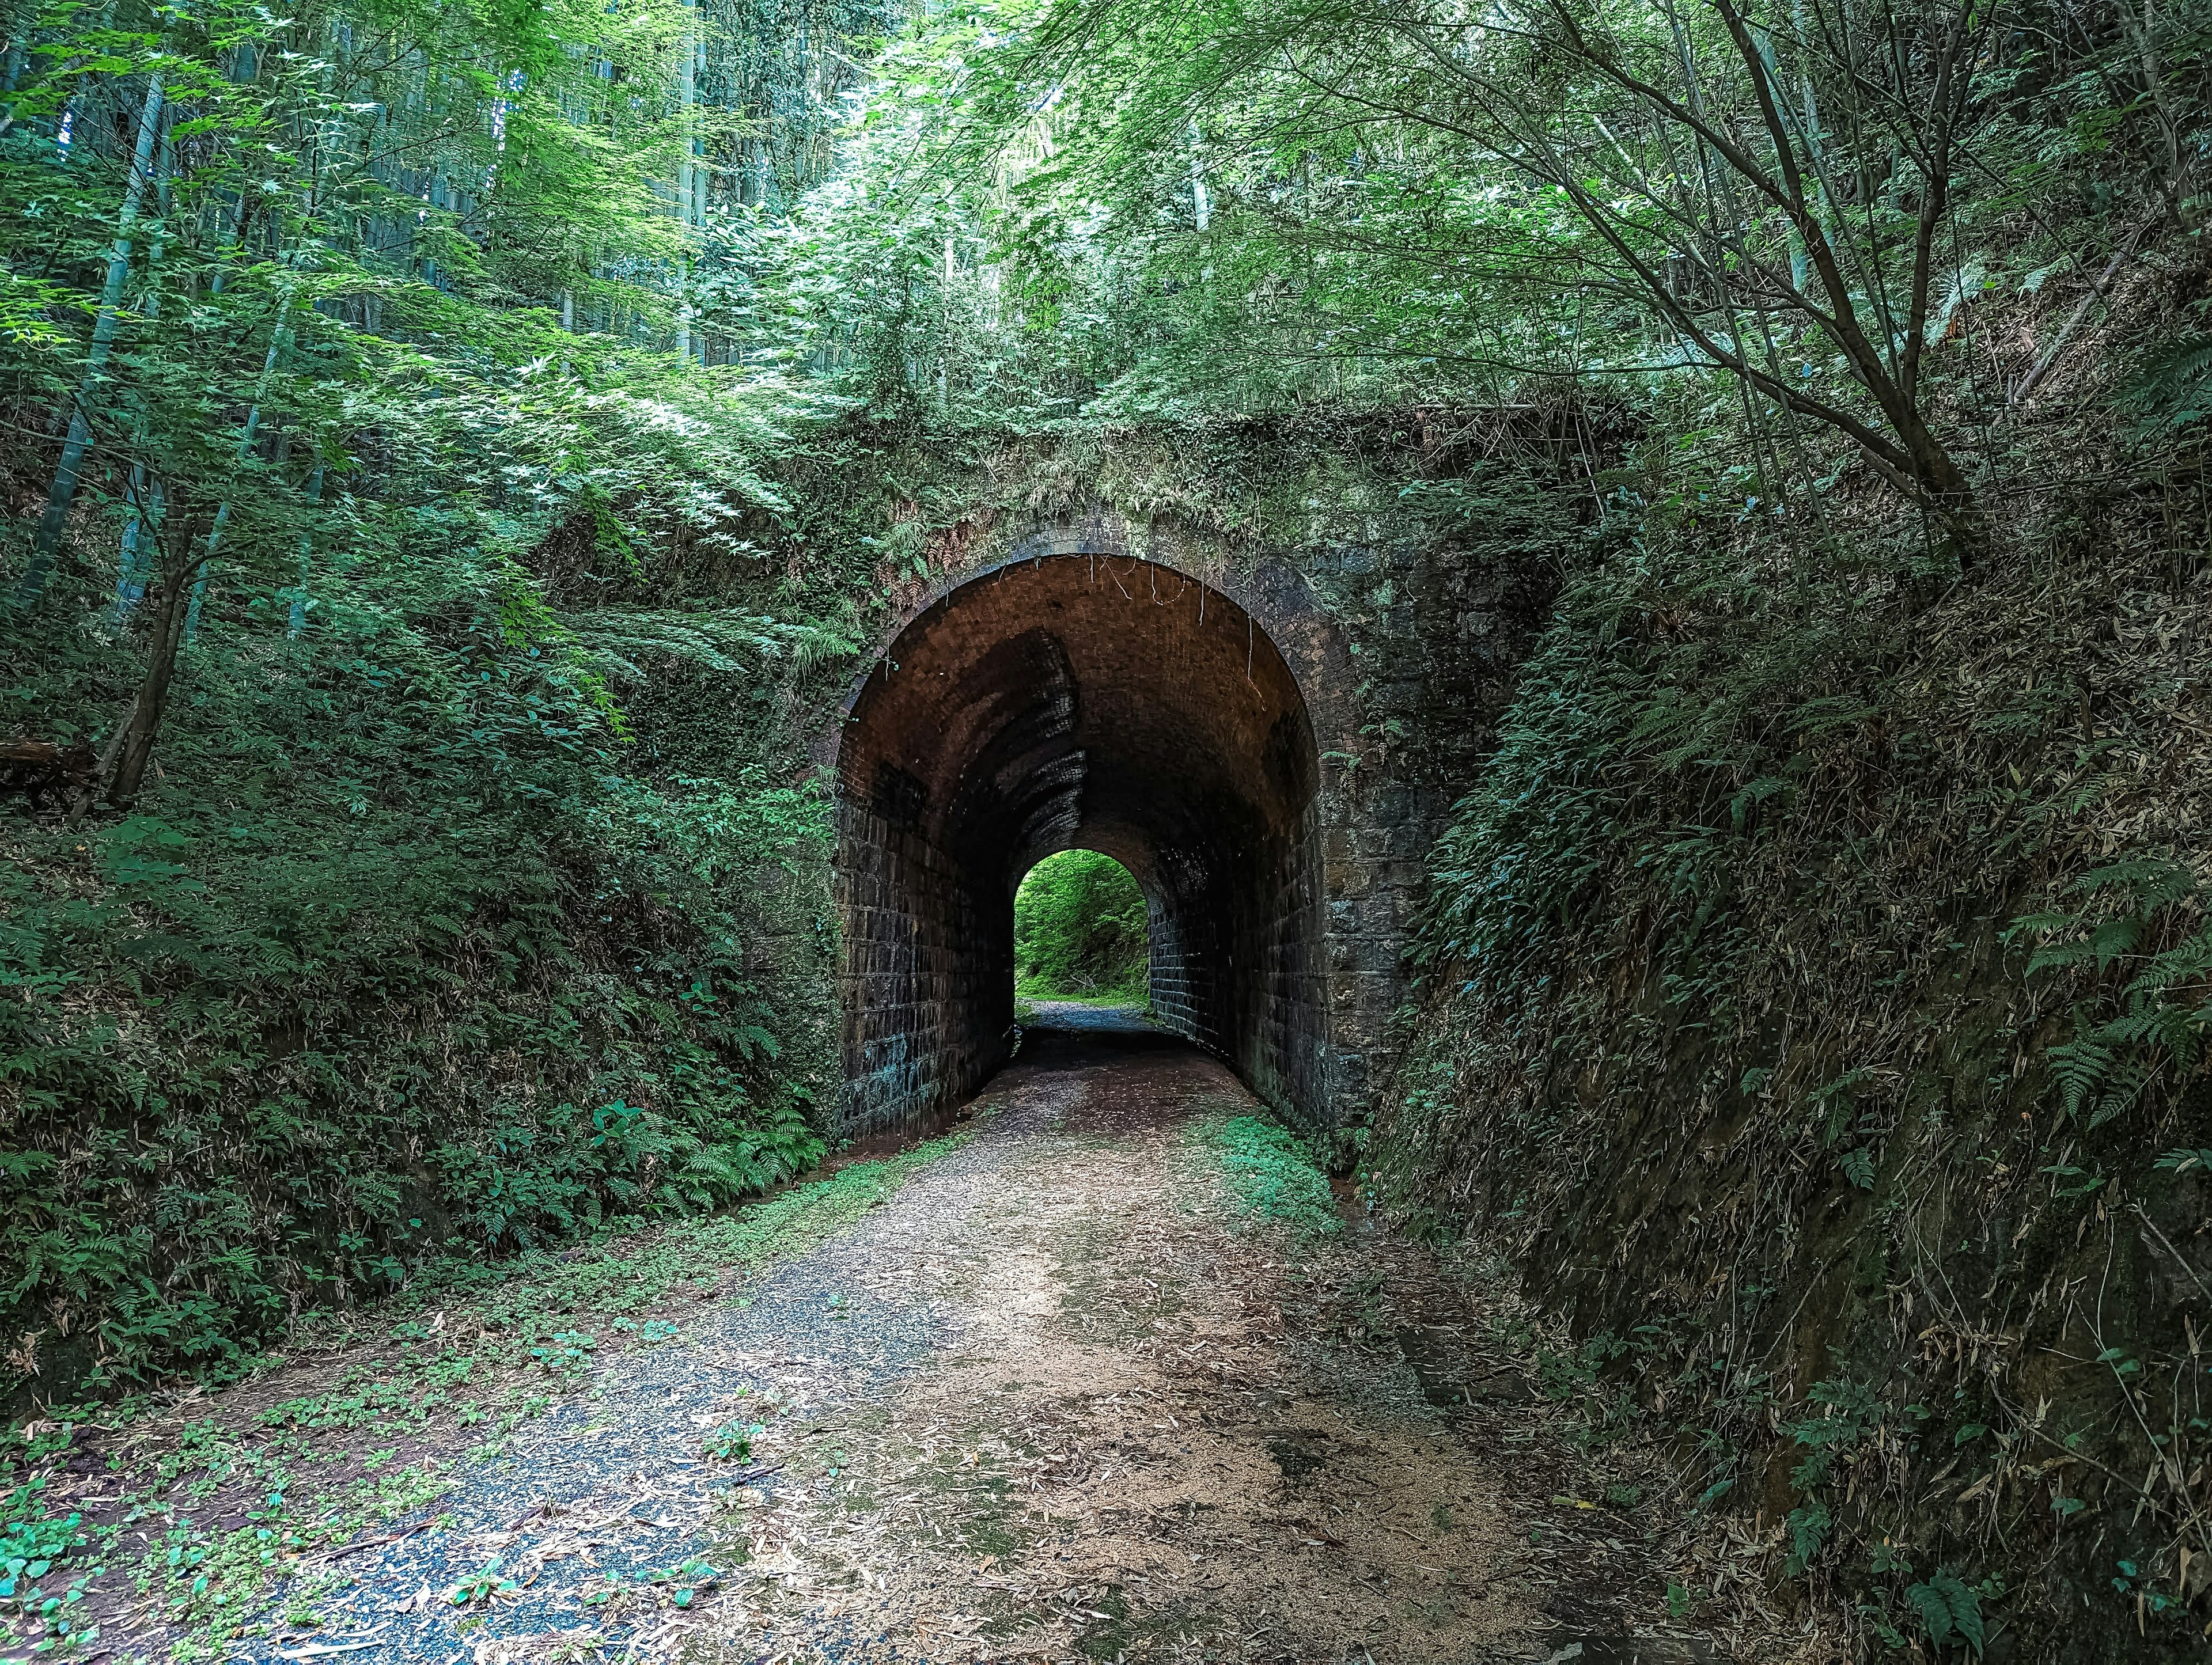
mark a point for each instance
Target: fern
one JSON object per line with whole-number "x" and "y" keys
{"x": 2080, "y": 1064}
{"x": 2154, "y": 882}
{"x": 1948, "y": 1607}
{"x": 2172, "y": 387}
{"x": 2109, "y": 1064}
{"x": 2123, "y": 1085}
{"x": 1809, "y": 1524}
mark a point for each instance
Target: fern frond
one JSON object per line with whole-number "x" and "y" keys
{"x": 2172, "y": 387}
{"x": 2080, "y": 1064}
{"x": 2153, "y": 881}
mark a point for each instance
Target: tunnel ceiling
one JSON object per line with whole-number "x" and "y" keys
{"x": 1079, "y": 699}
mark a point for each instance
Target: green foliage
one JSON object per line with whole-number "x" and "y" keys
{"x": 631, "y": 1266}
{"x": 31, "y": 1547}
{"x": 2171, "y": 389}
{"x": 468, "y": 375}
{"x": 732, "y": 1441}
{"x": 1834, "y": 949}
{"x": 1098, "y": 206}
{"x": 1947, "y": 1609}
{"x": 424, "y": 963}
{"x": 2165, "y": 1003}
{"x": 473, "y": 896}
{"x": 1079, "y": 929}
{"x": 45, "y": 1566}
{"x": 1271, "y": 1174}
{"x": 482, "y": 1586}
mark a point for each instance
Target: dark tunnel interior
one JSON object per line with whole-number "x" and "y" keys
{"x": 1077, "y": 701}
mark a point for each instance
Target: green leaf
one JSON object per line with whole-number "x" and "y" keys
{"x": 1947, "y": 1607}
{"x": 2080, "y": 1064}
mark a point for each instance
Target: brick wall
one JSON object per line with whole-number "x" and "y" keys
{"x": 1270, "y": 745}
{"x": 1066, "y": 700}
{"x": 928, "y": 974}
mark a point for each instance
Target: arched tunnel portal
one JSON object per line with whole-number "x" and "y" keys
{"x": 1078, "y": 700}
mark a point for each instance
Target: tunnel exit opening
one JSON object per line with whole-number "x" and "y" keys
{"x": 1082, "y": 932}
{"x": 1078, "y": 701}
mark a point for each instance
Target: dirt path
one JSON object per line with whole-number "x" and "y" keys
{"x": 1058, "y": 1398}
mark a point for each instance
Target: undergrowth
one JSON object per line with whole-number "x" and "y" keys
{"x": 1816, "y": 984}
{"x": 453, "y": 919}
{"x": 364, "y": 1417}
{"x": 1271, "y": 1174}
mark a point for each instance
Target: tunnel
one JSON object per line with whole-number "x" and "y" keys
{"x": 1064, "y": 701}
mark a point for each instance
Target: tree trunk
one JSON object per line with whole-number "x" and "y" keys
{"x": 78, "y": 440}
{"x": 153, "y": 690}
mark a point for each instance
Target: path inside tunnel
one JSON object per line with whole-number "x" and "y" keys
{"x": 1063, "y": 1396}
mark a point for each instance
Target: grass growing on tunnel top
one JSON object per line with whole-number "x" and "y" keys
{"x": 1270, "y": 1173}
{"x": 1079, "y": 931}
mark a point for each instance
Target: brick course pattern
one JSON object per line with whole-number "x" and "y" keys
{"x": 1091, "y": 700}
{"x": 1273, "y": 773}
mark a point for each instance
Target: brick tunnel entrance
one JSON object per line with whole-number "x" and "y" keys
{"x": 1078, "y": 701}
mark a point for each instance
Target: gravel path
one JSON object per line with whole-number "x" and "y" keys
{"x": 614, "y": 1489}
{"x": 1057, "y": 1399}
{"x": 1079, "y": 1018}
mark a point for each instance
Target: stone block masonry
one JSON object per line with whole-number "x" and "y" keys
{"x": 1213, "y": 730}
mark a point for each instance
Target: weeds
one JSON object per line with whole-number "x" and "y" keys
{"x": 732, "y": 1441}
{"x": 1270, "y": 1173}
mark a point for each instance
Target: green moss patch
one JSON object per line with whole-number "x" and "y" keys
{"x": 1269, "y": 1172}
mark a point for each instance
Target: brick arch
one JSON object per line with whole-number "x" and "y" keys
{"x": 1080, "y": 700}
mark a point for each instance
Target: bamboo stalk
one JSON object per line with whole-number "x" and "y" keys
{"x": 78, "y": 441}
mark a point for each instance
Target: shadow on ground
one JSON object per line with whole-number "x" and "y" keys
{"x": 1059, "y": 1397}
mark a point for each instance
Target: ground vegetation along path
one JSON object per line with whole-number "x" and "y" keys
{"x": 1103, "y": 1383}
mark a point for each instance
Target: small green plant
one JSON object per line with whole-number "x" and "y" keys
{"x": 35, "y": 1551}
{"x": 569, "y": 1353}
{"x": 1271, "y": 1174}
{"x": 686, "y": 1583}
{"x": 2131, "y": 1581}
{"x": 1808, "y": 1525}
{"x": 482, "y": 1586}
{"x": 30, "y": 1549}
{"x": 1948, "y": 1609}
{"x": 732, "y": 1441}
